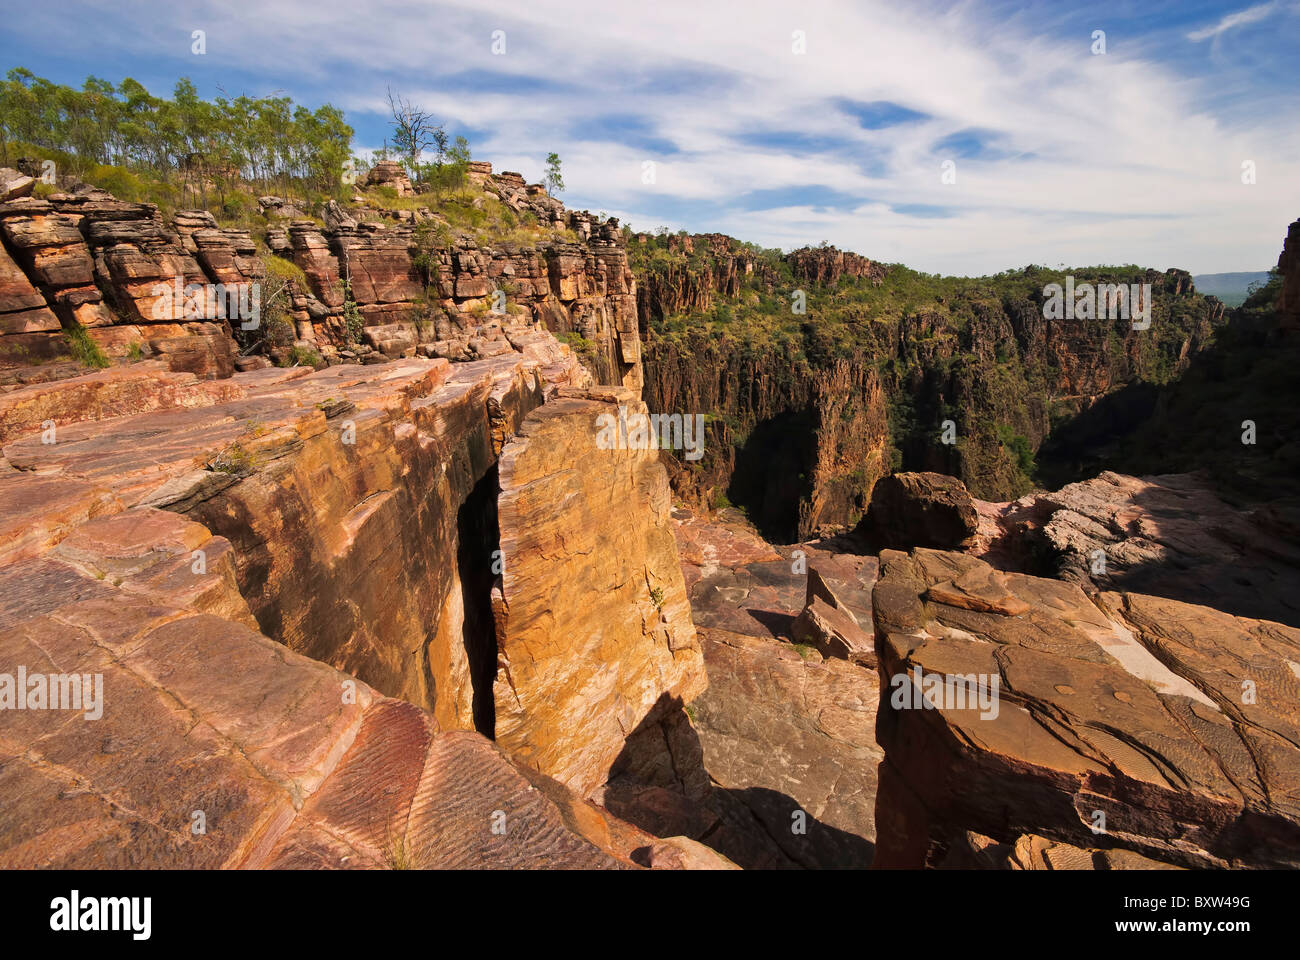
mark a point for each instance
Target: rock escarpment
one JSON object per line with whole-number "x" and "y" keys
{"x": 375, "y": 283}
{"x": 86, "y": 260}
{"x": 839, "y": 370}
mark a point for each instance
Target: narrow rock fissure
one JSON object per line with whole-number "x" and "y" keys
{"x": 478, "y": 560}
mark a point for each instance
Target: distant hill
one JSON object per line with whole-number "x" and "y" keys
{"x": 1228, "y": 287}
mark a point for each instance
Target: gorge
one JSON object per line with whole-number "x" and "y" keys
{"x": 367, "y": 589}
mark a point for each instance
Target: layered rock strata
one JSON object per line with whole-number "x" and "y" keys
{"x": 270, "y": 760}
{"x": 371, "y": 289}
{"x": 340, "y": 490}
{"x": 90, "y": 261}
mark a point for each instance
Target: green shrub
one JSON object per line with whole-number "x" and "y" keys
{"x": 85, "y": 350}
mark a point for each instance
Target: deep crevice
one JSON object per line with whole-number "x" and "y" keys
{"x": 478, "y": 564}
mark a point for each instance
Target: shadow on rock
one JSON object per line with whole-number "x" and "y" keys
{"x": 660, "y": 784}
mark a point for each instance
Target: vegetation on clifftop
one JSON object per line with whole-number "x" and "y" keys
{"x": 973, "y": 350}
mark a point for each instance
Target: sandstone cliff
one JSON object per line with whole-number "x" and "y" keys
{"x": 375, "y": 283}
{"x": 327, "y": 539}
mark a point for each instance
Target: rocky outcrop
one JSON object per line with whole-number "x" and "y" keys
{"x": 1288, "y": 265}
{"x": 301, "y": 473}
{"x": 371, "y": 290}
{"x": 1013, "y": 705}
{"x": 1171, "y": 535}
{"x": 275, "y": 761}
{"x": 918, "y": 510}
{"x": 825, "y": 266}
{"x": 389, "y": 173}
{"x": 335, "y": 492}
{"x": 461, "y": 306}
{"x": 594, "y": 627}
{"x": 86, "y": 260}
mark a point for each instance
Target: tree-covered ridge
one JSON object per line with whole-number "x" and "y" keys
{"x": 977, "y": 351}
{"x": 126, "y": 140}
{"x": 841, "y": 319}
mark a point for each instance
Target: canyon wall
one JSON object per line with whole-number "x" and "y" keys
{"x": 327, "y": 539}
{"x": 724, "y": 340}
{"x": 209, "y": 745}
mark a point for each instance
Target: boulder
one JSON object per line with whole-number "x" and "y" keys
{"x": 918, "y": 510}
{"x": 830, "y": 626}
{"x": 14, "y": 184}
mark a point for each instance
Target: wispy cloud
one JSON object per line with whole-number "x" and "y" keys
{"x": 1240, "y": 18}
{"x": 1059, "y": 155}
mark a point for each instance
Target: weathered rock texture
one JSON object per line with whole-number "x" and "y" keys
{"x": 573, "y": 280}
{"x": 594, "y": 625}
{"x": 87, "y": 260}
{"x": 1175, "y": 723}
{"x": 270, "y": 760}
{"x": 344, "y": 493}
{"x": 774, "y": 765}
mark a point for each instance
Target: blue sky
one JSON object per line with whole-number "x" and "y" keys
{"x": 1060, "y": 154}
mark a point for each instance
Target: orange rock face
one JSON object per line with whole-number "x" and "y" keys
{"x": 272, "y": 760}
{"x": 595, "y": 627}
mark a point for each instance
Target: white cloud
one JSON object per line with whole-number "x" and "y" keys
{"x": 1101, "y": 158}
